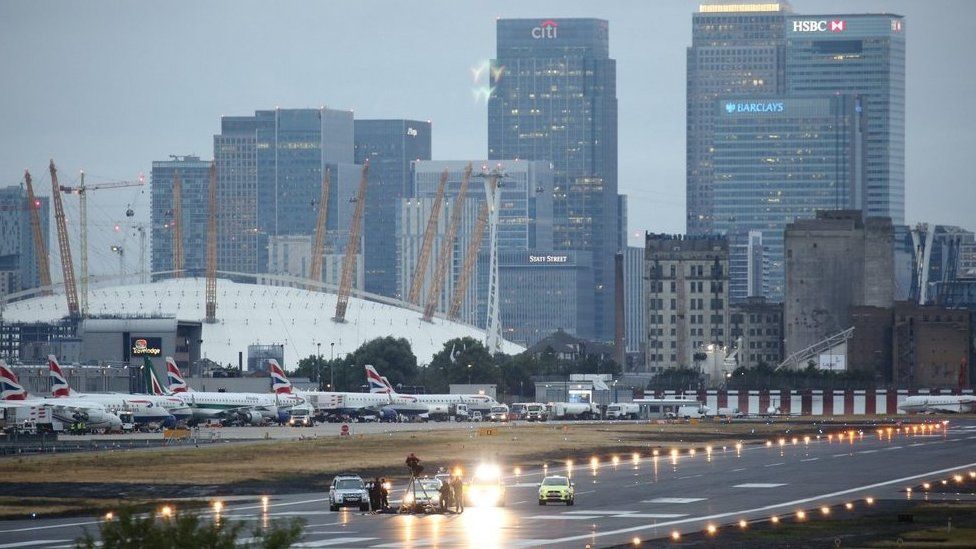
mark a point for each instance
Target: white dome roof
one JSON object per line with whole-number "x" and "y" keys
{"x": 251, "y": 314}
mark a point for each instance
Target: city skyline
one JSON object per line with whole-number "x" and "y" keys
{"x": 176, "y": 116}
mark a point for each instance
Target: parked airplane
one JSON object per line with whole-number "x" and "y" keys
{"x": 934, "y": 404}
{"x": 251, "y": 407}
{"x": 172, "y": 403}
{"x": 13, "y": 395}
{"x": 345, "y": 403}
{"x": 435, "y": 403}
{"x": 144, "y": 408}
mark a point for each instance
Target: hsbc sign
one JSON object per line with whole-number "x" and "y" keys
{"x": 837, "y": 25}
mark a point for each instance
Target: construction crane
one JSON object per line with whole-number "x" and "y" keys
{"x": 211, "y": 305}
{"x": 177, "y": 225}
{"x": 470, "y": 258}
{"x": 440, "y": 271}
{"x": 67, "y": 266}
{"x": 40, "y": 250}
{"x": 82, "y": 191}
{"x": 352, "y": 248}
{"x": 420, "y": 271}
{"x": 318, "y": 248}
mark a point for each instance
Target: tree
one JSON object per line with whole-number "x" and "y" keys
{"x": 130, "y": 531}
{"x": 462, "y": 360}
{"x": 392, "y": 357}
{"x": 310, "y": 367}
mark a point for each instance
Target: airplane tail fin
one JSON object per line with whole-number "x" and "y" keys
{"x": 10, "y": 388}
{"x": 279, "y": 381}
{"x": 153, "y": 387}
{"x": 377, "y": 383}
{"x": 174, "y": 378}
{"x": 59, "y": 383}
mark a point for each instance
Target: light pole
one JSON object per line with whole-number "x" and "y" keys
{"x": 332, "y": 368}
{"x": 469, "y": 374}
{"x": 318, "y": 363}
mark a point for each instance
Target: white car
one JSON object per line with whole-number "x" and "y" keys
{"x": 423, "y": 495}
{"x": 348, "y": 491}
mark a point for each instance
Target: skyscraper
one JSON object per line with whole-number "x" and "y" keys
{"x": 736, "y": 49}
{"x": 269, "y": 171}
{"x": 777, "y": 160}
{"x": 18, "y": 261}
{"x": 390, "y": 146}
{"x": 860, "y": 54}
{"x": 554, "y": 99}
{"x": 194, "y": 183}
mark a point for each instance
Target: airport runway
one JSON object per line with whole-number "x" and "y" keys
{"x": 646, "y": 499}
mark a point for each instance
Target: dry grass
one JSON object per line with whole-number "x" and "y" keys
{"x": 281, "y": 460}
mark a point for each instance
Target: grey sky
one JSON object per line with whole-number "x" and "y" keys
{"x": 110, "y": 86}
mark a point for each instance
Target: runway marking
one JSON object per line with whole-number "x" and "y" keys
{"x": 674, "y": 500}
{"x": 31, "y": 542}
{"x": 597, "y": 512}
{"x": 918, "y": 444}
{"x": 810, "y": 459}
{"x": 690, "y": 476}
{"x": 737, "y": 470}
{"x": 867, "y": 451}
{"x": 894, "y": 448}
{"x": 49, "y": 527}
{"x": 740, "y": 512}
{"x": 335, "y": 541}
{"x": 565, "y": 517}
{"x": 775, "y": 464}
{"x": 524, "y": 485}
{"x": 653, "y": 515}
{"x": 518, "y": 502}
{"x": 759, "y": 485}
{"x": 840, "y": 455}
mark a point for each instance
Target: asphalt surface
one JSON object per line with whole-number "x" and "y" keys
{"x": 647, "y": 499}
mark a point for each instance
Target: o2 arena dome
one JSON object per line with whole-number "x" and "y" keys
{"x": 252, "y": 314}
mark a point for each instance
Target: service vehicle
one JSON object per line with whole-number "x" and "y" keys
{"x": 348, "y": 491}
{"x": 573, "y": 410}
{"x": 623, "y": 410}
{"x": 423, "y": 494}
{"x": 516, "y": 411}
{"x": 536, "y": 411}
{"x": 498, "y": 413}
{"x": 476, "y": 416}
{"x": 698, "y": 411}
{"x": 486, "y": 488}
{"x": 730, "y": 413}
{"x": 557, "y": 489}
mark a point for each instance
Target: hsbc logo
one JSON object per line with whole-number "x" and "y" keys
{"x": 545, "y": 30}
{"x": 837, "y": 25}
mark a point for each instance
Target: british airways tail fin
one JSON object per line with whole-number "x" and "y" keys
{"x": 10, "y": 388}
{"x": 279, "y": 381}
{"x": 378, "y": 383}
{"x": 59, "y": 383}
{"x": 174, "y": 378}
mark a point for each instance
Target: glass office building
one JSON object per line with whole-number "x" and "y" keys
{"x": 194, "y": 185}
{"x": 390, "y": 146}
{"x": 861, "y": 54}
{"x": 540, "y": 292}
{"x": 736, "y": 48}
{"x": 18, "y": 260}
{"x": 269, "y": 172}
{"x": 554, "y": 99}
{"x": 778, "y": 160}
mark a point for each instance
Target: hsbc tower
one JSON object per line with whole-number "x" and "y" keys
{"x": 862, "y": 54}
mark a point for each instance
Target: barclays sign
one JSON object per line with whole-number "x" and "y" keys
{"x": 732, "y": 107}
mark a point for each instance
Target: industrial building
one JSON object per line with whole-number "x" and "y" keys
{"x": 834, "y": 262}
{"x": 686, "y": 289}
{"x": 757, "y": 331}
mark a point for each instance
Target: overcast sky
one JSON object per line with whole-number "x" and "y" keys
{"x": 111, "y": 86}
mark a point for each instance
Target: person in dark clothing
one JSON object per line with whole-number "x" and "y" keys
{"x": 413, "y": 463}
{"x": 457, "y": 487}
{"x": 374, "y": 494}
{"x": 445, "y": 490}
{"x": 384, "y": 495}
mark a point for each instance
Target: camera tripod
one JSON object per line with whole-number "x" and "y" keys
{"x": 412, "y": 490}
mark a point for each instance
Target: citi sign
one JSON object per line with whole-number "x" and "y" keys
{"x": 545, "y": 30}
{"x": 732, "y": 108}
{"x": 837, "y": 25}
